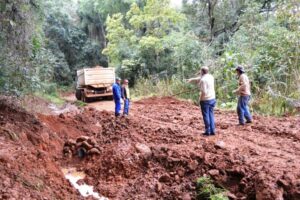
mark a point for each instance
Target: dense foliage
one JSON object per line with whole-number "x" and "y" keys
{"x": 154, "y": 45}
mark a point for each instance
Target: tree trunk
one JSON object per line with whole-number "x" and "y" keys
{"x": 211, "y": 7}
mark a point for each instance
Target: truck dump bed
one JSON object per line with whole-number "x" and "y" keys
{"x": 96, "y": 77}
{"x": 94, "y": 82}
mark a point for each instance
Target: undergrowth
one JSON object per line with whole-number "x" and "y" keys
{"x": 206, "y": 190}
{"x": 262, "y": 103}
{"x": 168, "y": 87}
{"x": 53, "y": 98}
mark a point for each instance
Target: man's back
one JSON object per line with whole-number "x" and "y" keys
{"x": 244, "y": 85}
{"x": 207, "y": 88}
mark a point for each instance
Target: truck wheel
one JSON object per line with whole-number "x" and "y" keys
{"x": 78, "y": 94}
{"x": 83, "y": 97}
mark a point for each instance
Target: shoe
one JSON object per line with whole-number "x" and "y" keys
{"x": 205, "y": 134}
{"x": 241, "y": 124}
{"x": 249, "y": 122}
{"x": 212, "y": 134}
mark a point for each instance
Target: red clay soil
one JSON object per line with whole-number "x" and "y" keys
{"x": 156, "y": 153}
{"x": 29, "y": 167}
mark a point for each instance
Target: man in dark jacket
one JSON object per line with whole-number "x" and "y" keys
{"x": 117, "y": 96}
{"x": 126, "y": 97}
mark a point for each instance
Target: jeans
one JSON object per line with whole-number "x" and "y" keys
{"x": 207, "y": 108}
{"x": 117, "y": 107}
{"x": 243, "y": 109}
{"x": 126, "y": 107}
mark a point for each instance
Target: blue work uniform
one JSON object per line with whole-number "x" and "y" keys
{"x": 117, "y": 98}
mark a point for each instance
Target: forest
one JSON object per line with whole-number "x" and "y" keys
{"x": 156, "y": 44}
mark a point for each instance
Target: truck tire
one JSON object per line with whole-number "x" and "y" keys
{"x": 83, "y": 97}
{"x": 78, "y": 94}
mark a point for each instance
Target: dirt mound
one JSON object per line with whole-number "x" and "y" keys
{"x": 28, "y": 170}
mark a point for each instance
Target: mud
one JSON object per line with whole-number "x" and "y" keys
{"x": 29, "y": 155}
{"x": 156, "y": 153}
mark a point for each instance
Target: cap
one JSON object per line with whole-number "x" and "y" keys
{"x": 118, "y": 79}
{"x": 240, "y": 69}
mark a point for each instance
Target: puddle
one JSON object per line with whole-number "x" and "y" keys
{"x": 85, "y": 190}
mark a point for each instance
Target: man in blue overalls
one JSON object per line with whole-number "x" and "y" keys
{"x": 117, "y": 96}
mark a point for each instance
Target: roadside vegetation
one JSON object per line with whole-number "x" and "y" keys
{"x": 155, "y": 45}
{"x": 206, "y": 190}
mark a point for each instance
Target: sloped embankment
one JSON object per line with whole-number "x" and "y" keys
{"x": 28, "y": 157}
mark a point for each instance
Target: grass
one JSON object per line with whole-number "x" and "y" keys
{"x": 170, "y": 87}
{"x": 263, "y": 104}
{"x": 53, "y": 98}
{"x": 80, "y": 103}
{"x": 206, "y": 190}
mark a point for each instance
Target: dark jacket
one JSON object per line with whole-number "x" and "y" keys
{"x": 124, "y": 93}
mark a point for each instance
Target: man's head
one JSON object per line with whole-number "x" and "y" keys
{"x": 204, "y": 70}
{"x": 118, "y": 80}
{"x": 239, "y": 70}
{"x": 125, "y": 82}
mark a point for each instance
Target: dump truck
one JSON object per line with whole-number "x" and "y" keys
{"x": 94, "y": 82}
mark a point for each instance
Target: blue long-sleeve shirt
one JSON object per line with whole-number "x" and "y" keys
{"x": 116, "y": 91}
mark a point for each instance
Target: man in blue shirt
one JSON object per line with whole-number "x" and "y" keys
{"x": 117, "y": 96}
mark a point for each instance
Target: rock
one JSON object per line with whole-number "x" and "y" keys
{"x": 181, "y": 172}
{"x": 80, "y": 182}
{"x": 91, "y": 109}
{"x": 158, "y": 187}
{"x": 79, "y": 144}
{"x": 62, "y": 116}
{"x": 66, "y": 150}
{"x": 283, "y": 183}
{"x": 224, "y": 126}
{"x": 177, "y": 178}
{"x": 70, "y": 142}
{"x": 214, "y": 172}
{"x": 165, "y": 178}
{"x": 143, "y": 149}
{"x": 82, "y": 138}
{"x": 5, "y": 158}
{"x": 220, "y": 145}
{"x": 94, "y": 151}
{"x": 86, "y": 145}
{"x": 193, "y": 165}
{"x": 6, "y": 182}
{"x": 186, "y": 196}
{"x": 92, "y": 141}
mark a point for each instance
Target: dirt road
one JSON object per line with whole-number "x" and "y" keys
{"x": 98, "y": 104}
{"x": 158, "y": 152}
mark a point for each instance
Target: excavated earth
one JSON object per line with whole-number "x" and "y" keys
{"x": 157, "y": 152}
